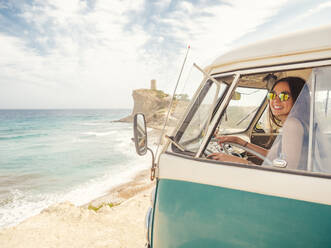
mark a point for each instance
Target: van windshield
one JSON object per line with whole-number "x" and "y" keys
{"x": 191, "y": 132}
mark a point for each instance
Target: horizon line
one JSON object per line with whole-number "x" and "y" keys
{"x": 61, "y": 108}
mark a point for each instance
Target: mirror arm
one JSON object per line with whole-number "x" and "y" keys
{"x": 153, "y": 169}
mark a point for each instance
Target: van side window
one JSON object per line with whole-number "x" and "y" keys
{"x": 321, "y": 147}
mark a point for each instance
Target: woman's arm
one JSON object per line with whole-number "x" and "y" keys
{"x": 240, "y": 141}
{"x": 292, "y": 142}
{"x": 228, "y": 158}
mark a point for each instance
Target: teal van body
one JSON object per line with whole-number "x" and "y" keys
{"x": 201, "y": 202}
{"x": 198, "y": 215}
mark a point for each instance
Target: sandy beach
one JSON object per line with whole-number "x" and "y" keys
{"x": 65, "y": 225}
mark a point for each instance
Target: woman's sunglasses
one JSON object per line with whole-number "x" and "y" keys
{"x": 283, "y": 96}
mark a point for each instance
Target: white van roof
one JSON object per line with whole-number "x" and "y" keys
{"x": 310, "y": 45}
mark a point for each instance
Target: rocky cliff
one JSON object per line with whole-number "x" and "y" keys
{"x": 152, "y": 103}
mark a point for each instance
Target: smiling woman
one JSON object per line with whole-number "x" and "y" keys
{"x": 281, "y": 101}
{"x": 292, "y": 146}
{"x": 294, "y": 142}
{"x": 283, "y": 96}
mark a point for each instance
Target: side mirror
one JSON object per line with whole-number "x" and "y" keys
{"x": 140, "y": 133}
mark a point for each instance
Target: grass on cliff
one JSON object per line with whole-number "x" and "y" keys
{"x": 96, "y": 209}
{"x": 161, "y": 94}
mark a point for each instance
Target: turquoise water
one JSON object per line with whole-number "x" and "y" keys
{"x": 50, "y": 156}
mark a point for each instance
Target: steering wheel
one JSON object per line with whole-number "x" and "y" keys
{"x": 265, "y": 159}
{"x": 221, "y": 148}
{"x": 227, "y": 149}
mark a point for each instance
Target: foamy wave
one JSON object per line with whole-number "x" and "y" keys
{"x": 23, "y": 205}
{"x": 99, "y": 133}
{"x": 78, "y": 140}
{"x": 92, "y": 123}
{"x": 99, "y": 187}
{"x": 23, "y": 136}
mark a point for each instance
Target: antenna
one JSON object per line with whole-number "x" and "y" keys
{"x": 172, "y": 99}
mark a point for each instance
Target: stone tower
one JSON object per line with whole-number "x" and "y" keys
{"x": 153, "y": 84}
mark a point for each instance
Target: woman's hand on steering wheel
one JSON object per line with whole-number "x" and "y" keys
{"x": 231, "y": 139}
{"x": 242, "y": 144}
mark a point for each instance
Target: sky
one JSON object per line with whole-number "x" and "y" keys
{"x": 58, "y": 54}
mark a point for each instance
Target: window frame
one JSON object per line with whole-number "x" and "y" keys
{"x": 194, "y": 106}
{"x": 314, "y": 120}
{"x": 226, "y": 99}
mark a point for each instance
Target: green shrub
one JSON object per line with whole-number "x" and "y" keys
{"x": 161, "y": 94}
{"x": 91, "y": 207}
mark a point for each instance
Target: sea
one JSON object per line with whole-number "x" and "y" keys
{"x": 52, "y": 156}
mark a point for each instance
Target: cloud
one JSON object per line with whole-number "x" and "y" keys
{"x": 217, "y": 26}
{"x": 210, "y": 27}
{"x": 74, "y": 49}
{"x": 316, "y": 10}
{"x": 77, "y": 53}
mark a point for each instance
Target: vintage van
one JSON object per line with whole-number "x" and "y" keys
{"x": 266, "y": 202}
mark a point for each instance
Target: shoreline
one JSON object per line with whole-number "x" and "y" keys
{"x": 119, "y": 222}
{"x": 120, "y": 193}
